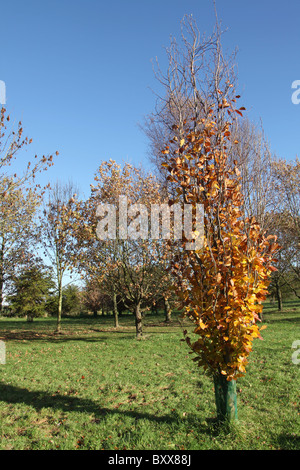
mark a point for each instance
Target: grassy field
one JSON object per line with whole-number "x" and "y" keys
{"x": 97, "y": 388}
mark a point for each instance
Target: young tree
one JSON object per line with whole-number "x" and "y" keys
{"x": 92, "y": 297}
{"x": 20, "y": 197}
{"x": 287, "y": 221}
{"x": 31, "y": 291}
{"x": 222, "y": 285}
{"x": 71, "y": 299}
{"x": 126, "y": 266}
{"x": 95, "y": 260}
{"x": 57, "y": 229}
{"x": 195, "y": 136}
{"x": 17, "y": 232}
{"x": 140, "y": 278}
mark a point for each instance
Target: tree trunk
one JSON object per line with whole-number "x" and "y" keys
{"x": 168, "y": 311}
{"x": 115, "y": 308}
{"x": 1, "y": 295}
{"x": 279, "y": 296}
{"x": 1, "y": 278}
{"x": 226, "y": 399}
{"x": 138, "y": 321}
{"x": 59, "y": 310}
{"x": 29, "y": 318}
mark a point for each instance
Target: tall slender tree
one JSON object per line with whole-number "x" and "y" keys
{"x": 287, "y": 222}
{"x": 57, "y": 231}
{"x": 223, "y": 284}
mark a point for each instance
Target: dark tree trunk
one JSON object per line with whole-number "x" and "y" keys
{"x": 59, "y": 310}
{"x": 29, "y": 318}
{"x": 115, "y": 307}
{"x": 278, "y": 294}
{"x": 1, "y": 278}
{"x": 168, "y": 311}
{"x": 1, "y": 296}
{"x": 138, "y": 321}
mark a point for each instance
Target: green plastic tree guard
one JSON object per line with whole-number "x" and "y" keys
{"x": 226, "y": 401}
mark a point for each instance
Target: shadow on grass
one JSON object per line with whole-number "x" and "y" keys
{"x": 284, "y": 319}
{"x": 286, "y": 441}
{"x": 40, "y": 399}
{"x": 286, "y": 304}
{"x": 88, "y": 334}
{"x": 27, "y": 335}
{"x": 67, "y": 336}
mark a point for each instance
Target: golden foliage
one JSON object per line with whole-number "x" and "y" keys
{"x": 222, "y": 286}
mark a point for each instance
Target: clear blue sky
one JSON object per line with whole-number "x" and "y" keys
{"x": 78, "y": 73}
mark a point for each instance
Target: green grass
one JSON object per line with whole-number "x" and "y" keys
{"x": 97, "y": 388}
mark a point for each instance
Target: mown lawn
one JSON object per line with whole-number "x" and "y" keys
{"x": 97, "y": 388}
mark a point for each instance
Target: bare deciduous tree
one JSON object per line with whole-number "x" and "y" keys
{"x": 57, "y": 234}
{"x": 288, "y": 220}
{"x": 197, "y": 72}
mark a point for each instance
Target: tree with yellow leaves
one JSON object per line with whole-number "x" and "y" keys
{"x": 223, "y": 284}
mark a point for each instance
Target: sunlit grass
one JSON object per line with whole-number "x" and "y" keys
{"x": 94, "y": 387}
